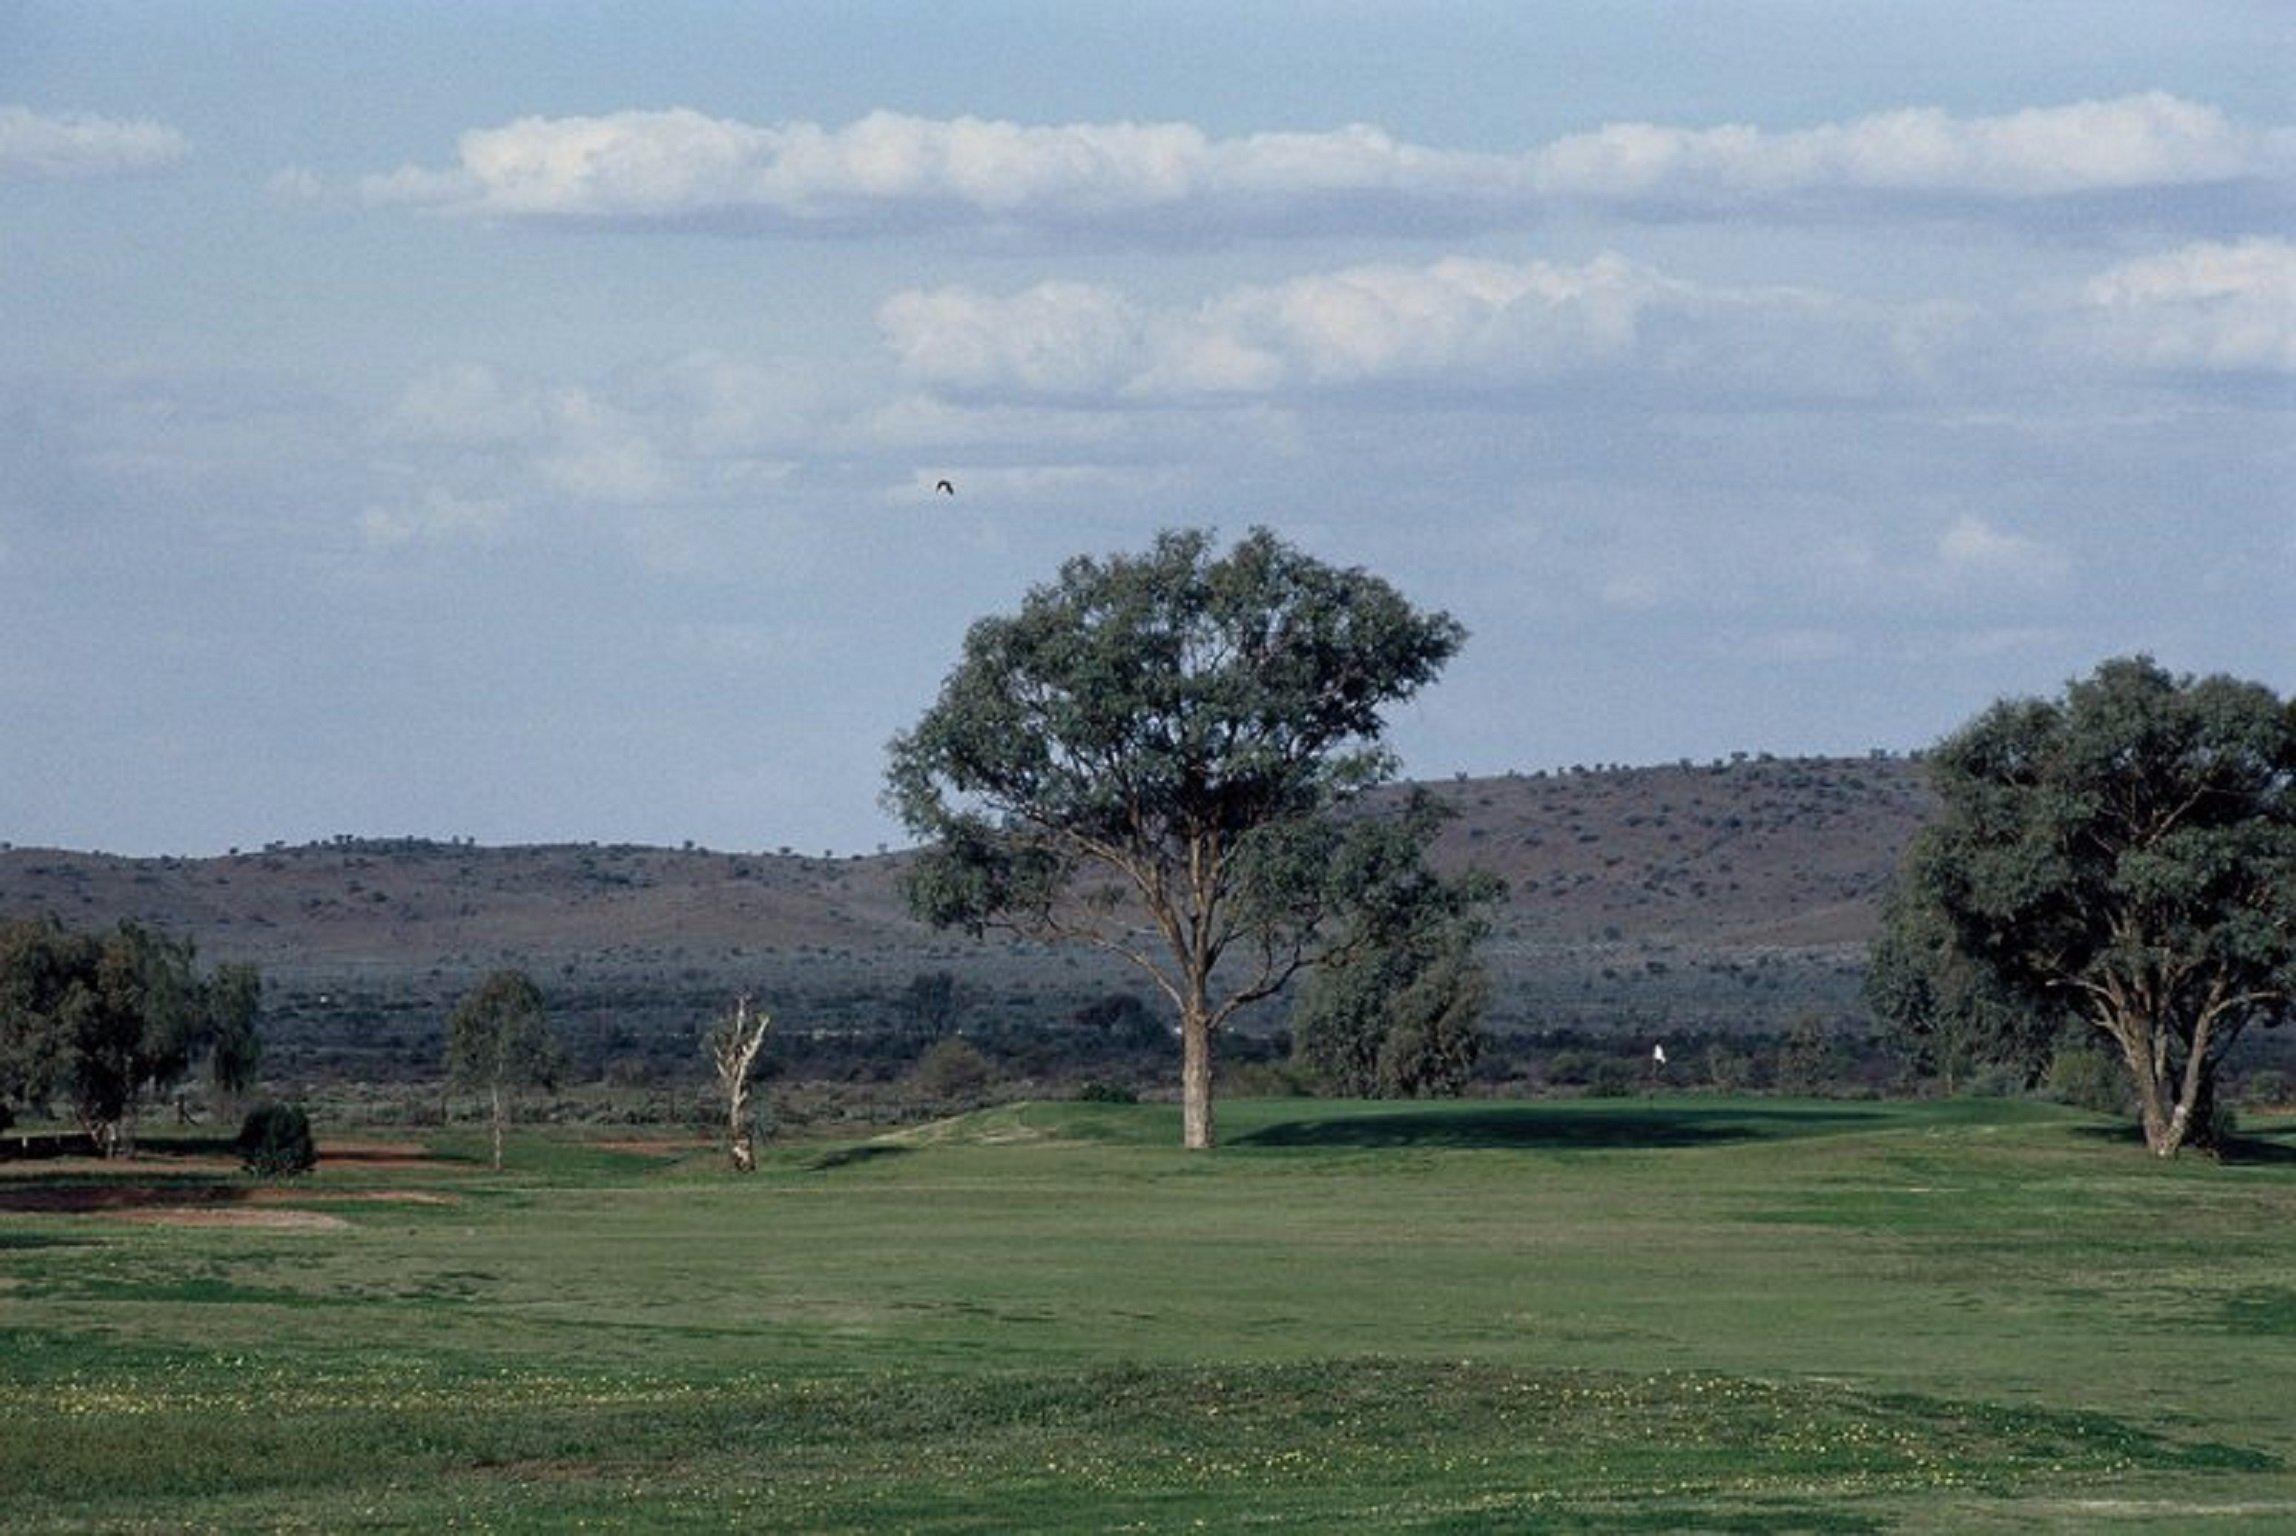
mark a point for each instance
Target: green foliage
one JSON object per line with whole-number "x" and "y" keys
{"x": 235, "y": 1002}
{"x": 1396, "y": 1012}
{"x": 1167, "y": 735}
{"x": 1945, "y": 1015}
{"x": 1809, "y": 1058}
{"x": 2087, "y": 1078}
{"x": 1099, "y": 1091}
{"x": 499, "y": 1039}
{"x": 2122, "y": 859}
{"x": 499, "y": 1036}
{"x": 275, "y": 1141}
{"x": 108, "y": 1018}
{"x": 952, "y": 1069}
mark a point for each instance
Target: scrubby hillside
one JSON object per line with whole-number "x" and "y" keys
{"x": 1735, "y": 894}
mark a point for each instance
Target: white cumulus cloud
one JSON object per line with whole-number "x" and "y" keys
{"x": 38, "y": 147}
{"x": 1458, "y": 323}
{"x": 889, "y": 170}
{"x": 2226, "y": 307}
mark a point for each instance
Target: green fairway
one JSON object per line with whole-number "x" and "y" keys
{"x": 1623, "y": 1314}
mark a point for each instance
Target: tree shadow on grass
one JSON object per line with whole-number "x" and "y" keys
{"x": 2240, "y": 1151}
{"x": 847, "y": 1157}
{"x": 1556, "y": 1127}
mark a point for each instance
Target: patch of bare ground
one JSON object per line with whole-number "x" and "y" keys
{"x": 280, "y": 1196}
{"x": 230, "y": 1216}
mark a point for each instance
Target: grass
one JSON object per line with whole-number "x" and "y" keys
{"x": 1644, "y": 1314}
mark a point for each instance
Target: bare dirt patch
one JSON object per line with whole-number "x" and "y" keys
{"x": 276, "y": 1196}
{"x": 379, "y": 1154}
{"x": 231, "y": 1216}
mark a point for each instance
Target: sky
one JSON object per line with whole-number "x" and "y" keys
{"x": 520, "y": 422}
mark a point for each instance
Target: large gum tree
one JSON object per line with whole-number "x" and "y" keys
{"x": 1160, "y": 756}
{"x": 2122, "y": 859}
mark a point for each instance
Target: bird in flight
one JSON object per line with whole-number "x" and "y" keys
{"x": 944, "y": 488}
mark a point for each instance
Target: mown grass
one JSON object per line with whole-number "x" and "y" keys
{"x": 1644, "y": 1314}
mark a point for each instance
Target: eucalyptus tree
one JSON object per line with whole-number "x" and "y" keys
{"x": 499, "y": 1039}
{"x": 1163, "y": 755}
{"x": 2122, "y": 858}
{"x": 105, "y": 1019}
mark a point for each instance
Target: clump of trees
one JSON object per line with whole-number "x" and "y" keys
{"x": 499, "y": 1039}
{"x": 1397, "y": 1012}
{"x": 1149, "y": 757}
{"x": 2121, "y": 860}
{"x": 108, "y": 1019}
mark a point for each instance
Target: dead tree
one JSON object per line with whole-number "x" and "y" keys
{"x": 734, "y": 1045}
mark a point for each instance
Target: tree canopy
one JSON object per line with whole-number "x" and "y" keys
{"x": 499, "y": 1039}
{"x": 2122, "y": 858}
{"x": 108, "y": 1018}
{"x": 1148, "y": 757}
{"x": 1398, "y": 1013}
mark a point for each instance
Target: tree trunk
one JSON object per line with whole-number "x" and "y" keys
{"x": 737, "y": 1138}
{"x": 2171, "y": 1121}
{"x": 1195, "y": 1082}
{"x": 496, "y": 1091}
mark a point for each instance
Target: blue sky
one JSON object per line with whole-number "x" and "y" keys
{"x": 518, "y": 422}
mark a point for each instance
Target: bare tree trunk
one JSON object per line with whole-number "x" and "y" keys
{"x": 733, "y": 1050}
{"x": 496, "y": 1091}
{"x": 1195, "y": 1081}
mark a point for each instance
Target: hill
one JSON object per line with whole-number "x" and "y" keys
{"x": 1729, "y": 895}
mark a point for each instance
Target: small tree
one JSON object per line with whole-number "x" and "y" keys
{"x": 2123, "y": 859}
{"x": 234, "y": 1005}
{"x": 733, "y": 1045}
{"x": 1146, "y": 758}
{"x": 1397, "y": 1014}
{"x": 499, "y": 1039}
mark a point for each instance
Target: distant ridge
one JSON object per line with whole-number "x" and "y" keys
{"x": 1727, "y": 891}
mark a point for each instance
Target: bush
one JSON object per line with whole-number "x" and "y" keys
{"x": 2086, "y": 1078}
{"x": 952, "y": 1069}
{"x": 1610, "y": 1079}
{"x": 1098, "y": 1092}
{"x": 275, "y": 1141}
{"x": 2264, "y": 1086}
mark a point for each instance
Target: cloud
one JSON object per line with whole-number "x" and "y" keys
{"x": 1456, "y": 325}
{"x": 1172, "y": 181}
{"x": 2211, "y": 307}
{"x": 2151, "y": 140}
{"x": 1971, "y": 548}
{"x": 436, "y": 517}
{"x": 41, "y": 148}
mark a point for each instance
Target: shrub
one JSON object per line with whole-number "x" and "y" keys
{"x": 1610, "y": 1079}
{"x": 2266, "y": 1085}
{"x": 2086, "y": 1078}
{"x": 1099, "y": 1092}
{"x": 952, "y": 1069}
{"x": 275, "y": 1141}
